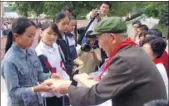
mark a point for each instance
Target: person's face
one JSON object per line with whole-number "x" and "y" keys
{"x": 104, "y": 8}
{"x": 92, "y": 41}
{"x": 141, "y": 39}
{"x": 107, "y": 42}
{"x": 63, "y": 24}
{"x": 26, "y": 39}
{"x": 68, "y": 13}
{"x": 71, "y": 26}
{"x": 135, "y": 26}
{"x": 148, "y": 50}
{"x": 139, "y": 31}
{"x": 49, "y": 36}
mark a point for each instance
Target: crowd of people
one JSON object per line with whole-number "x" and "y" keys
{"x": 129, "y": 71}
{"x": 6, "y": 27}
{"x": 7, "y": 24}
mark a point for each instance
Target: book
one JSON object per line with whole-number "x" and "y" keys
{"x": 58, "y": 82}
{"x": 85, "y": 80}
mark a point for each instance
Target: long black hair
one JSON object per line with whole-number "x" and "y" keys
{"x": 59, "y": 16}
{"x": 19, "y": 26}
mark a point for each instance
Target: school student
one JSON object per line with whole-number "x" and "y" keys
{"x": 71, "y": 38}
{"x": 62, "y": 21}
{"x": 50, "y": 54}
{"x": 21, "y": 67}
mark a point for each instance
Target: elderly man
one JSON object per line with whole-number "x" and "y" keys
{"x": 129, "y": 78}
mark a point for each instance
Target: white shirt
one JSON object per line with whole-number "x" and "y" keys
{"x": 91, "y": 27}
{"x": 163, "y": 73}
{"x": 137, "y": 40}
{"x": 54, "y": 58}
{"x": 71, "y": 41}
{"x": 64, "y": 37}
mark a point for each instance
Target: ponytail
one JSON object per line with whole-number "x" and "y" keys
{"x": 39, "y": 39}
{"x": 19, "y": 26}
{"x": 9, "y": 41}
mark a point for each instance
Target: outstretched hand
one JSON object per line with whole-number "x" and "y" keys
{"x": 43, "y": 87}
{"x": 62, "y": 89}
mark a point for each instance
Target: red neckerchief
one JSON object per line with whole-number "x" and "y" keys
{"x": 126, "y": 42}
{"x": 164, "y": 60}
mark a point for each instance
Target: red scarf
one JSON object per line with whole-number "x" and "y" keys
{"x": 125, "y": 43}
{"x": 164, "y": 60}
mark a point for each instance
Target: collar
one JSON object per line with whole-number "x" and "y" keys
{"x": 46, "y": 47}
{"x": 20, "y": 52}
{"x": 126, "y": 42}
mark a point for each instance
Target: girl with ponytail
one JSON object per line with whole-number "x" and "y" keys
{"x": 21, "y": 67}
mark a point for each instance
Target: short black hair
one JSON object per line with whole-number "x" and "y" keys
{"x": 108, "y": 3}
{"x": 89, "y": 34}
{"x": 143, "y": 33}
{"x": 157, "y": 44}
{"x": 157, "y": 103}
{"x": 136, "y": 22}
{"x": 154, "y": 32}
{"x": 66, "y": 8}
{"x": 143, "y": 27}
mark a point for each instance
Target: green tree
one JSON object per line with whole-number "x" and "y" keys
{"x": 81, "y": 8}
{"x": 28, "y": 8}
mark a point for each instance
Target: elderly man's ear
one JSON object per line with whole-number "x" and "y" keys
{"x": 113, "y": 38}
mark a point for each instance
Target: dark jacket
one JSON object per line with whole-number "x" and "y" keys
{"x": 132, "y": 80}
{"x": 68, "y": 61}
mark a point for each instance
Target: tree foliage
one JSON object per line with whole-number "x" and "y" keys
{"x": 81, "y": 8}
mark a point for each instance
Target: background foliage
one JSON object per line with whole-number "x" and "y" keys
{"x": 81, "y": 8}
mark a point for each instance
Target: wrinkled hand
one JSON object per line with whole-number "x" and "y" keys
{"x": 62, "y": 89}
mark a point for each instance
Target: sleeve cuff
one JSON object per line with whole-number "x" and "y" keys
{"x": 71, "y": 87}
{"x": 33, "y": 91}
{"x": 28, "y": 96}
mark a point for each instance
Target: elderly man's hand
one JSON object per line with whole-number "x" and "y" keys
{"x": 62, "y": 89}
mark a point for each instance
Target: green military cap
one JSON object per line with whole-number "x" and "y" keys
{"x": 110, "y": 25}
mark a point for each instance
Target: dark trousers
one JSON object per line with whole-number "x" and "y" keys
{"x": 55, "y": 101}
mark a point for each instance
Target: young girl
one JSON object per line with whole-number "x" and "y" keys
{"x": 71, "y": 38}
{"x": 155, "y": 46}
{"x": 21, "y": 67}
{"x": 62, "y": 21}
{"x": 50, "y": 55}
